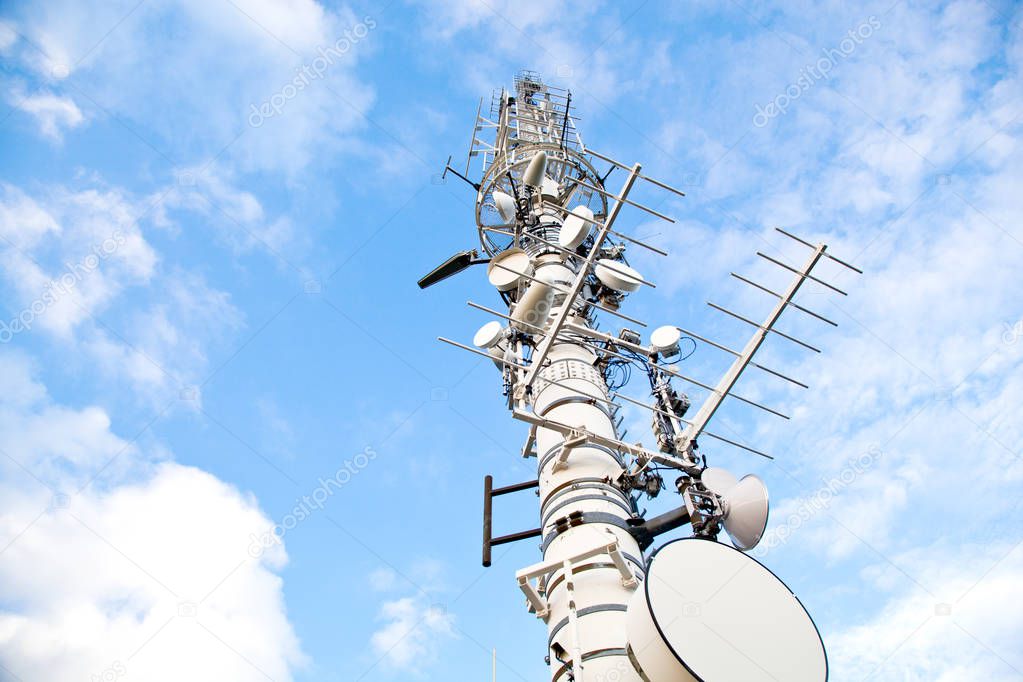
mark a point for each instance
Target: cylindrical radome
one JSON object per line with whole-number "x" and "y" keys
{"x": 582, "y": 482}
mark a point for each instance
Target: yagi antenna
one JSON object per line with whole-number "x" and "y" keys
{"x": 549, "y": 230}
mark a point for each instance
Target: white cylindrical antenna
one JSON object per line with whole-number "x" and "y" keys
{"x": 534, "y": 173}
{"x": 618, "y": 276}
{"x": 534, "y": 308}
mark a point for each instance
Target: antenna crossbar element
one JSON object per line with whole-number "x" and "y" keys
{"x": 737, "y": 354}
{"x": 642, "y": 177}
{"x": 826, "y": 255}
{"x": 658, "y": 410}
{"x": 633, "y": 240}
{"x": 479, "y": 352}
{"x": 670, "y": 372}
{"x": 777, "y": 295}
{"x": 804, "y": 274}
{"x": 713, "y": 402}
{"x": 641, "y": 207}
{"x": 750, "y": 322}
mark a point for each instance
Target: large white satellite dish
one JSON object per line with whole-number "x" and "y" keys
{"x": 618, "y": 276}
{"x": 575, "y": 229}
{"x": 709, "y": 613}
{"x": 506, "y": 269}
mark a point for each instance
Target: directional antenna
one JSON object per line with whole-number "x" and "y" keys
{"x": 452, "y": 266}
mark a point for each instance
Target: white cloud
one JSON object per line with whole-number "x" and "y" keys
{"x": 68, "y": 254}
{"x": 53, "y": 113}
{"x": 145, "y": 571}
{"x": 213, "y": 191}
{"x": 961, "y": 627}
{"x": 412, "y": 631}
{"x": 414, "y": 627}
{"x": 237, "y": 55}
{"x": 75, "y": 257}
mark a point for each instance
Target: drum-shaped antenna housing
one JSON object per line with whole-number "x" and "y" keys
{"x": 510, "y": 267}
{"x": 664, "y": 340}
{"x": 575, "y": 229}
{"x": 617, "y": 275}
{"x": 746, "y": 508}
{"x": 708, "y": 612}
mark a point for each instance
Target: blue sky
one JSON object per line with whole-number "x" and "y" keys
{"x": 213, "y": 215}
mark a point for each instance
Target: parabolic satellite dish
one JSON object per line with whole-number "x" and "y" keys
{"x": 618, "y": 276}
{"x": 709, "y": 613}
{"x": 575, "y": 229}
{"x": 506, "y": 269}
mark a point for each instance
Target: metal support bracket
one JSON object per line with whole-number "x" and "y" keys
{"x": 489, "y": 492}
{"x": 574, "y": 440}
{"x": 538, "y": 602}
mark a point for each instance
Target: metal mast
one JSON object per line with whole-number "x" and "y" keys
{"x": 546, "y": 224}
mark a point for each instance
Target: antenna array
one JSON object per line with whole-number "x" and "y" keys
{"x": 547, "y": 225}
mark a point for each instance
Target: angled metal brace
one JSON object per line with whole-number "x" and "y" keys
{"x": 568, "y": 445}
{"x": 538, "y": 603}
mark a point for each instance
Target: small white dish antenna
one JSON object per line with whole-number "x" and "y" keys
{"x": 534, "y": 173}
{"x": 489, "y": 335}
{"x": 709, "y": 612}
{"x": 617, "y": 276}
{"x": 665, "y": 340}
{"x": 746, "y": 509}
{"x": 505, "y": 205}
{"x": 506, "y": 269}
{"x": 575, "y": 229}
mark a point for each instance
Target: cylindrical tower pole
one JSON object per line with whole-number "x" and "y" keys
{"x": 586, "y": 600}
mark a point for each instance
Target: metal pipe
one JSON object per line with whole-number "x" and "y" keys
{"x": 488, "y": 507}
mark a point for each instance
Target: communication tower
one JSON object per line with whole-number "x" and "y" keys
{"x": 695, "y": 608}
